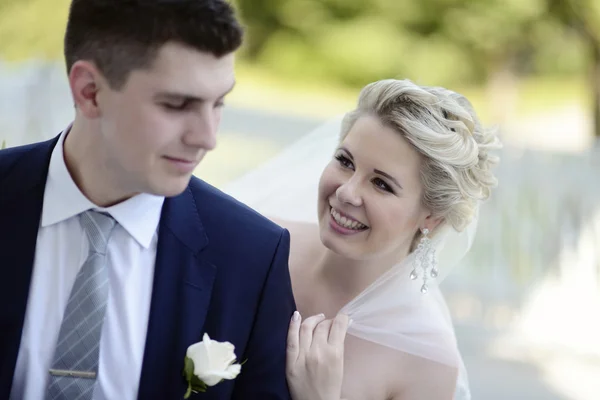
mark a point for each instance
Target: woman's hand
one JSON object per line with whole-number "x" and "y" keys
{"x": 315, "y": 357}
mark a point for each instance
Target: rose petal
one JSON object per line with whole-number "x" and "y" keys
{"x": 211, "y": 378}
{"x": 232, "y": 371}
{"x": 213, "y": 360}
{"x": 198, "y": 354}
{"x": 221, "y": 355}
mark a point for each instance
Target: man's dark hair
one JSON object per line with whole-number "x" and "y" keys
{"x": 120, "y": 36}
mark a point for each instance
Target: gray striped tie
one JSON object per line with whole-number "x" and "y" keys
{"x": 75, "y": 364}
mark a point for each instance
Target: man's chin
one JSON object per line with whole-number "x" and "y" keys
{"x": 172, "y": 188}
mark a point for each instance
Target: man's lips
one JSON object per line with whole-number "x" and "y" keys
{"x": 183, "y": 165}
{"x": 181, "y": 160}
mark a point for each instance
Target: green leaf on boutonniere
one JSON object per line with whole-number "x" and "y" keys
{"x": 188, "y": 369}
{"x": 188, "y": 392}
{"x": 195, "y": 385}
{"x": 3, "y": 145}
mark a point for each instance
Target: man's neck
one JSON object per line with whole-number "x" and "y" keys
{"x": 86, "y": 161}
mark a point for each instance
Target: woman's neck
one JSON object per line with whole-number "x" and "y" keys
{"x": 347, "y": 278}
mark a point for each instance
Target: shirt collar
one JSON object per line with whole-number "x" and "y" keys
{"x": 139, "y": 215}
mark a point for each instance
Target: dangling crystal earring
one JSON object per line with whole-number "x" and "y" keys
{"x": 425, "y": 260}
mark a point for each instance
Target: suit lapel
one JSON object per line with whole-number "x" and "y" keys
{"x": 183, "y": 280}
{"x": 21, "y": 204}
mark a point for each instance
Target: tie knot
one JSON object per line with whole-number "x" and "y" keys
{"x": 98, "y": 227}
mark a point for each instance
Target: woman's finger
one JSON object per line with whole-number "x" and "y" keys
{"x": 321, "y": 333}
{"x": 306, "y": 331}
{"x": 293, "y": 339}
{"x": 339, "y": 327}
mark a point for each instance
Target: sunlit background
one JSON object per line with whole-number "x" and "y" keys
{"x": 526, "y": 302}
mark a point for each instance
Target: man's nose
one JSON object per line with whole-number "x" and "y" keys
{"x": 202, "y": 132}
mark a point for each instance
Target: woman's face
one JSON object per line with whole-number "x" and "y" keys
{"x": 370, "y": 193}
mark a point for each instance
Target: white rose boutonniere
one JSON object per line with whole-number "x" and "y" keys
{"x": 209, "y": 362}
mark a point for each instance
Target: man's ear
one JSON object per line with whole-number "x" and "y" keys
{"x": 85, "y": 80}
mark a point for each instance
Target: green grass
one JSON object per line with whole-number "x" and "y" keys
{"x": 258, "y": 89}
{"x": 542, "y": 94}
{"x": 234, "y": 155}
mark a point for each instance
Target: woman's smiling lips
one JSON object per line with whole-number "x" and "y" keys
{"x": 345, "y": 224}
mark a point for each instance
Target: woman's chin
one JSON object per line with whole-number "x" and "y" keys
{"x": 339, "y": 245}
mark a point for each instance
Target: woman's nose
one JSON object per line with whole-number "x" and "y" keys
{"x": 349, "y": 193}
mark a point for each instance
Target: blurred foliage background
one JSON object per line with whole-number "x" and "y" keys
{"x": 488, "y": 48}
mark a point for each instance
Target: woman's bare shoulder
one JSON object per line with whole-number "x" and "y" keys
{"x": 302, "y": 233}
{"x": 304, "y": 239}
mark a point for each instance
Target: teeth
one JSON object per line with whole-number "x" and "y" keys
{"x": 345, "y": 222}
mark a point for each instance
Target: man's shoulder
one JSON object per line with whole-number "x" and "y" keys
{"x": 13, "y": 155}
{"x": 17, "y": 152}
{"x": 28, "y": 160}
{"x": 229, "y": 213}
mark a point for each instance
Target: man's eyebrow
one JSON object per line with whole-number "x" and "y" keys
{"x": 187, "y": 97}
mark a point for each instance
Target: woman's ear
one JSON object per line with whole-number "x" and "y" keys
{"x": 432, "y": 222}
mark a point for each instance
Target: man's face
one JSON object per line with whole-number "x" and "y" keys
{"x": 160, "y": 124}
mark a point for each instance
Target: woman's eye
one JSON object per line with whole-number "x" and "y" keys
{"x": 344, "y": 161}
{"x": 380, "y": 183}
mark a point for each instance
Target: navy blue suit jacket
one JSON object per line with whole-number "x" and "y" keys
{"x": 221, "y": 268}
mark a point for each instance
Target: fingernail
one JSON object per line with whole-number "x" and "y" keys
{"x": 296, "y": 316}
{"x": 321, "y": 315}
{"x": 350, "y": 322}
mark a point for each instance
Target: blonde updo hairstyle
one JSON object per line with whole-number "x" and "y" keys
{"x": 456, "y": 170}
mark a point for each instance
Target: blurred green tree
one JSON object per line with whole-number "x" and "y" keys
{"x": 500, "y": 38}
{"x": 583, "y": 17}
{"x": 437, "y": 41}
{"x": 349, "y": 41}
{"x": 32, "y": 28}
{"x": 353, "y": 42}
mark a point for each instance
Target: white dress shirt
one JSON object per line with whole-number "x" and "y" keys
{"x": 62, "y": 248}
